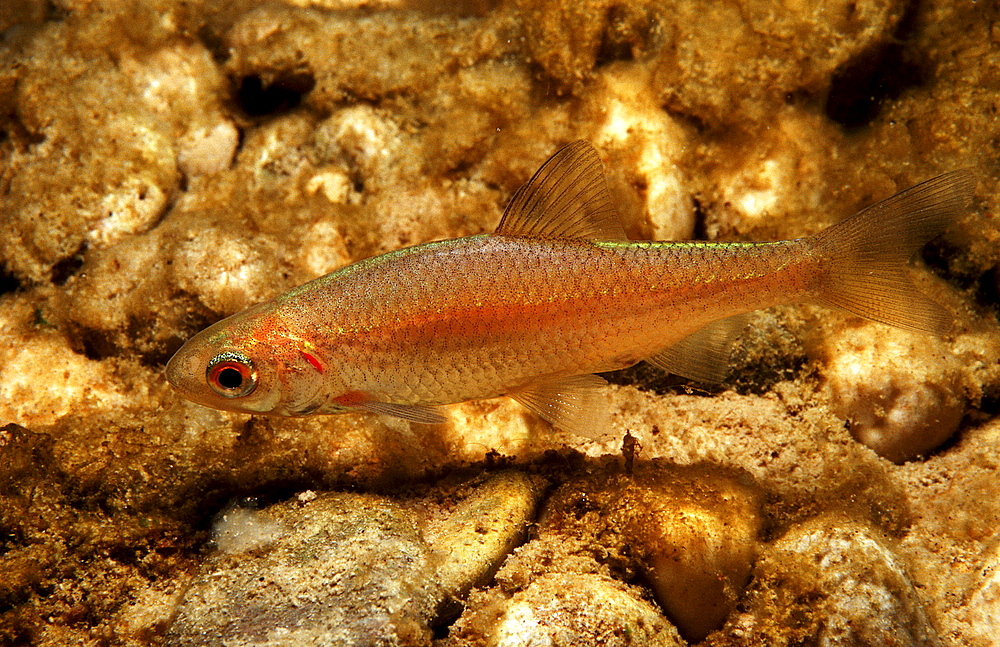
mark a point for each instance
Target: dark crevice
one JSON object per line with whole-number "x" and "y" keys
{"x": 8, "y": 282}
{"x": 282, "y": 95}
{"x": 67, "y": 267}
{"x": 977, "y": 414}
{"x": 743, "y": 377}
{"x": 458, "y": 8}
{"x": 646, "y": 377}
{"x": 55, "y": 12}
{"x": 951, "y": 264}
{"x": 142, "y": 337}
{"x": 700, "y": 221}
{"x": 945, "y": 447}
{"x": 987, "y": 292}
{"x": 19, "y": 136}
{"x": 860, "y": 88}
{"x": 990, "y": 404}
{"x": 626, "y": 36}
{"x": 448, "y": 614}
{"x": 440, "y": 632}
{"x": 215, "y": 43}
{"x": 96, "y": 345}
{"x": 938, "y": 255}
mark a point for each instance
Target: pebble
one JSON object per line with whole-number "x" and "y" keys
{"x": 693, "y": 529}
{"x": 208, "y": 150}
{"x": 901, "y": 391}
{"x": 350, "y": 569}
{"x": 833, "y": 582}
{"x": 568, "y": 609}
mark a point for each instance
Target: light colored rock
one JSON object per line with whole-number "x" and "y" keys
{"x": 137, "y": 108}
{"x": 568, "y": 609}
{"x": 227, "y": 271}
{"x": 983, "y": 606}
{"x": 42, "y": 379}
{"x": 208, "y": 150}
{"x": 781, "y": 177}
{"x": 350, "y": 569}
{"x": 833, "y": 582}
{"x": 654, "y": 145}
{"x": 900, "y": 391}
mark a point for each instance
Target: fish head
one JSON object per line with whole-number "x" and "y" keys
{"x": 248, "y": 363}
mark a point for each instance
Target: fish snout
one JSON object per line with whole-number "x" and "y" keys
{"x": 186, "y": 372}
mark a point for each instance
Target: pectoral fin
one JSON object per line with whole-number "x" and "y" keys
{"x": 573, "y": 404}
{"x": 411, "y": 412}
{"x": 704, "y": 354}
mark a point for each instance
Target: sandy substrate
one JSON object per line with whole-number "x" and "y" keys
{"x": 164, "y": 164}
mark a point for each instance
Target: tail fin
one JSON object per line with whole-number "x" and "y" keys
{"x": 867, "y": 253}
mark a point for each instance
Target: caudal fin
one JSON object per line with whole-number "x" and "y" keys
{"x": 867, "y": 253}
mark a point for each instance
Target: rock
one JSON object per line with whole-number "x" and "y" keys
{"x": 901, "y": 391}
{"x": 836, "y": 583}
{"x": 567, "y": 609}
{"x": 208, "y": 150}
{"x": 983, "y": 607}
{"x": 349, "y": 569}
{"x": 650, "y": 144}
{"x": 698, "y": 536}
{"x": 692, "y": 530}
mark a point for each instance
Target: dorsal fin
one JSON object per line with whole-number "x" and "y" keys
{"x": 566, "y": 198}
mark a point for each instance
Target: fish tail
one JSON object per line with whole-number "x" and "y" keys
{"x": 866, "y": 255}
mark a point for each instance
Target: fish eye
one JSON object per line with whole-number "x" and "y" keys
{"x": 231, "y": 375}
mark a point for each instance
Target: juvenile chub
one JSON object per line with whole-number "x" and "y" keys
{"x": 555, "y": 294}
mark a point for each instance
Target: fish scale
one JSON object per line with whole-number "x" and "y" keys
{"x": 563, "y": 316}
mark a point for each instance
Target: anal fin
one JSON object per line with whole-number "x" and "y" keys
{"x": 573, "y": 404}
{"x": 704, "y": 354}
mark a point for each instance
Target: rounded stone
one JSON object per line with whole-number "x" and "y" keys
{"x": 900, "y": 391}
{"x": 834, "y": 582}
{"x": 568, "y": 609}
{"x": 693, "y": 531}
{"x": 350, "y": 569}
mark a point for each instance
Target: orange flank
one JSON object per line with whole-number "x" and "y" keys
{"x": 555, "y": 294}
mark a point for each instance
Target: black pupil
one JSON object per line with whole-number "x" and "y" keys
{"x": 230, "y": 378}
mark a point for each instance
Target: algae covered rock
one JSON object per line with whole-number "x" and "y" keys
{"x": 832, "y": 581}
{"x": 348, "y": 569}
{"x": 693, "y": 530}
{"x": 568, "y": 609}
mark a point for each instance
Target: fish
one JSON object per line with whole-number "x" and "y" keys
{"x": 556, "y": 294}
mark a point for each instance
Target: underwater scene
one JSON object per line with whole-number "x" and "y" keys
{"x": 500, "y": 323}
